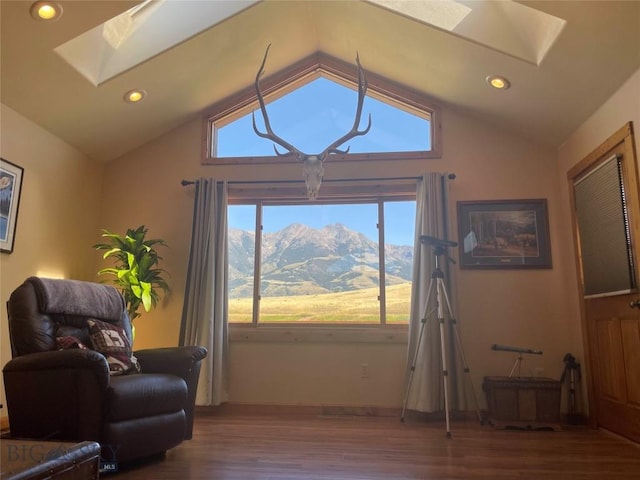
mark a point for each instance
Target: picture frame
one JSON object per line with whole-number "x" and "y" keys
{"x": 10, "y": 189}
{"x": 504, "y": 234}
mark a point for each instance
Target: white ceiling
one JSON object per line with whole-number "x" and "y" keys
{"x": 597, "y": 50}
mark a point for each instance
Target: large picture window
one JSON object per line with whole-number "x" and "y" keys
{"x": 321, "y": 264}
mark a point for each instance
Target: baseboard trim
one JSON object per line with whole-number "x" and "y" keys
{"x": 326, "y": 410}
{"x": 577, "y": 419}
{"x": 285, "y": 410}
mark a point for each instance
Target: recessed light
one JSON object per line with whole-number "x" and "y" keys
{"x": 134, "y": 96}
{"x": 46, "y": 11}
{"x": 499, "y": 82}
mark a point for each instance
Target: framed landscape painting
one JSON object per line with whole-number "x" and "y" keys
{"x": 10, "y": 186}
{"x": 504, "y": 234}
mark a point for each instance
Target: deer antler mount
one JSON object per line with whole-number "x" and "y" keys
{"x": 313, "y": 165}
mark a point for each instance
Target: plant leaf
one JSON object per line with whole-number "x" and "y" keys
{"x": 134, "y": 273}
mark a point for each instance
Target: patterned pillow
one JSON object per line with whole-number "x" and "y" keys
{"x": 69, "y": 342}
{"x": 112, "y": 342}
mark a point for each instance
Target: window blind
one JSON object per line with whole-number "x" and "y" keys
{"x": 603, "y": 229}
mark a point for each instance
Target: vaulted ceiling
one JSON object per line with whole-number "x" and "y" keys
{"x": 596, "y": 51}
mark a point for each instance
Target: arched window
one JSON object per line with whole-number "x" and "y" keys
{"x": 313, "y": 103}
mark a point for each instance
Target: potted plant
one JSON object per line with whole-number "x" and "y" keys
{"x": 135, "y": 273}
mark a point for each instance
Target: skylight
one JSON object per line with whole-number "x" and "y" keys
{"x": 506, "y": 26}
{"x": 142, "y": 32}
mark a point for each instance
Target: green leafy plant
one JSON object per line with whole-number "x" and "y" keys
{"x": 135, "y": 273}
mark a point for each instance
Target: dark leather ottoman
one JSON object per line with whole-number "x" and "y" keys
{"x": 35, "y": 460}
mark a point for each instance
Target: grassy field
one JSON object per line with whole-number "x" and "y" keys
{"x": 359, "y": 306}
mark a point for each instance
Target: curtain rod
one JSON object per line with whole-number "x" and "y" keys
{"x": 184, "y": 183}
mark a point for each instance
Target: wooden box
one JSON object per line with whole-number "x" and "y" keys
{"x": 528, "y": 403}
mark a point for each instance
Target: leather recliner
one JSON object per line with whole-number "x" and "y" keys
{"x": 74, "y": 394}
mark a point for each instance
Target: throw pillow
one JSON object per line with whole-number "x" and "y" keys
{"x": 112, "y": 342}
{"x": 68, "y": 342}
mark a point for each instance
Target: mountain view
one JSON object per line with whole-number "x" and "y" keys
{"x": 300, "y": 260}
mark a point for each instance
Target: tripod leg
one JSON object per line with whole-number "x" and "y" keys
{"x": 467, "y": 372}
{"x": 517, "y": 365}
{"x": 465, "y": 365}
{"x": 572, "y": 393}
{"x": 423, "y": 322}
{"x": 443, "y": 352}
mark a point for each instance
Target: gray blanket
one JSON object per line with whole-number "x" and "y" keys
{"x": 75, "y": 297}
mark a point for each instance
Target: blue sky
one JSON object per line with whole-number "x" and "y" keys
{"x": 311, "y": 118}
{"x": 399, "y": 218}
{"x": 315, "y": 115}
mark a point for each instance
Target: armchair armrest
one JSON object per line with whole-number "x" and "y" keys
{"x": 176, "y": 360}
{"x": 89, "y": 360}
{"x": 56, "y": 394}
{"x": 181, "y": 361}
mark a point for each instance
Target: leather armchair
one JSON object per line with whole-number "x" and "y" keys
{"x": 72, "y": 395}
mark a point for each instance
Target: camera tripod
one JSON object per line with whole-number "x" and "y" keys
{"x": 572, "y": 373}
{"x": 442, "y": 301}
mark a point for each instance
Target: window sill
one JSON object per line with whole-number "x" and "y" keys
{"x": 320, "y": 334}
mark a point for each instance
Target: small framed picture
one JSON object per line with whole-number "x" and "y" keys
{"x": 504, "y": 234}
{"x": 10, "y": 187}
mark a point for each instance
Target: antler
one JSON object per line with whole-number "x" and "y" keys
{"x": 291, "y": 150}
{"x": 354, "y": 132}
{"x": 313, "y": 164}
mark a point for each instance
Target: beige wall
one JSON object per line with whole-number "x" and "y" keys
{"x": 59, "y": 211}
{"x": 518, "y": 307}
{"x": 525, "y": 308}
{"x": 622, "y": 107}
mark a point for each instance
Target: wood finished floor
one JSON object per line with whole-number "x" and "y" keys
{"x": 308, "y": 447}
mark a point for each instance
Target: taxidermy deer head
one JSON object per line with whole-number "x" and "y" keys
{"x": 313, "y": 165}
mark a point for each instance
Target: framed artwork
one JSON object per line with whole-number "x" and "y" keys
{"x": 504, "y": 234}
{"x": 10, "y": 187}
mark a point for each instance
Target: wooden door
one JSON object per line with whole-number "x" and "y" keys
{"x": 611, "y": 320}
{"x": 614, "y": 338}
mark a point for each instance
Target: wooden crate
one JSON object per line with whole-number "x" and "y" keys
{"x": 526, "y": 403}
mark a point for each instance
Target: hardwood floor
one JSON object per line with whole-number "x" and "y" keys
{"x": 316, "y": 447}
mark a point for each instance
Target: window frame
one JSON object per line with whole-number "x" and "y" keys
{"x": 401, "y": 189}
{"x": 301, "y": 73}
